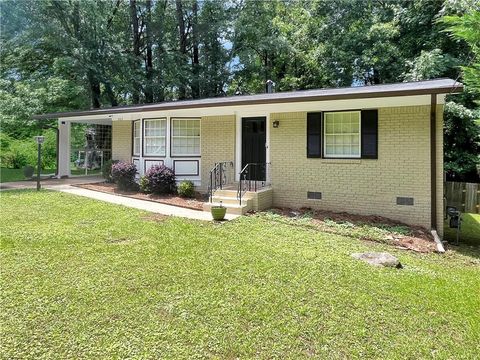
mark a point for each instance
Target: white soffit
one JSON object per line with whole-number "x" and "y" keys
{"x": 327, "y": 105}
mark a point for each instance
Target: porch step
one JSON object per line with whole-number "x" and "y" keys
{"x": 233, "y": 194}
{"x": 231, "y": 208}
{"x": 227, "y": 200}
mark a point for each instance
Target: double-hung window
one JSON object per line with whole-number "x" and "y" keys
{"x": 136, "y": 137}
{"x": 342, "y": 134}
{"x": 185, "y": 137}
{"x": 154, "y": 139}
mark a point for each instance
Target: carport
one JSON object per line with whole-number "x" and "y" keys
{"x": 77, "y": 159}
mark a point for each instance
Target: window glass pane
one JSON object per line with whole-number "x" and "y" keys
{"x": 154, "y": 136}
{"x": 185, "y": 137}
{"x": 136, "y": 138}
{"x": 342, "y": 134}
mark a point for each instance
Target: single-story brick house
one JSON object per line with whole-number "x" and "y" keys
{"x": 367, "y": 150}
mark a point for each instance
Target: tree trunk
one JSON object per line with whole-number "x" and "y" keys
{"x": 94, "y": 89}
{"x": 195, "y": 62}
{"x": 183, "y": 48}
{"x": 136, "y": 51}
{"x": 149, "y": 58}
{"x": 110, "y": 94}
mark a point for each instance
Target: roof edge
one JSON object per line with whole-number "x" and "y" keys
{"x": 176, "y": 105}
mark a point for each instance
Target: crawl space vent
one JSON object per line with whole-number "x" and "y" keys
{"x": 404, "y": 200}
{"x": 314, "y": 195}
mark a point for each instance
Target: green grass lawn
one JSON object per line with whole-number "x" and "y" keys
{"x": 469, "y": 230}
{"x": 9, "y": 175}
{"x": 85, "y": 279}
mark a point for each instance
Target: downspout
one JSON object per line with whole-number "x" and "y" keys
{"x": 433, "y": 160}
{"x": 433, "y": 173}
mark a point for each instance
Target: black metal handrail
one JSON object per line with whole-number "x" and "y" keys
{"x": 218, "y": 177}
{"x": 253, "y": 177}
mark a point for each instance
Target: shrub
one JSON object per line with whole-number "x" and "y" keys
{"x": 186, "y": 189}
{"x": 16, "y": 153}
{"x": 28, "y": 171}
{"x": 107, "y": 170}
{"x": 14, "y": 159}
{"x": 160, "y": 180}
{"x": 144, "y": 185}
{"x": 123, "y": 174}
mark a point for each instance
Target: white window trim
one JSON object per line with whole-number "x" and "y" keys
{"x": 172, "y": 137}
{"x": 138, "y": 138}
{"x": 145, "y": 154}
{"x": 324, "y": 136}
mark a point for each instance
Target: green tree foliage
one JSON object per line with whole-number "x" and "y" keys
{"x": 467, "y": 29}
{"x": 60, "y": 55}
{"x": 462, "y": 143}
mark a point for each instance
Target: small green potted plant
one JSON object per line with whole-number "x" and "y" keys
{"x": 218, "y": 212}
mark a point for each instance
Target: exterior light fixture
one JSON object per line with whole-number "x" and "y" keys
{"x": 276, "y": 124}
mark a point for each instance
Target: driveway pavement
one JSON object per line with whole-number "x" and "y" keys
{"x": 49, "y": 183}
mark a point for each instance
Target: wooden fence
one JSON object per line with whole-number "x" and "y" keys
{"x": 464, "y": 196}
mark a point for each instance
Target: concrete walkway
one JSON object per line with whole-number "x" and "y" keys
{"x": 151, "y": 206}
{"x": 65, "y": 185}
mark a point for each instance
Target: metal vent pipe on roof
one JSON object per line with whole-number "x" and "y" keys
{"x": 269, "y": 87}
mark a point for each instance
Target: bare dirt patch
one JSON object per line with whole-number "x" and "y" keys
{"x": 369, "y": 228}
{"x": 195, "y": 203}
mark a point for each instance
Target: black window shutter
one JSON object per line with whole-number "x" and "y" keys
{"x": 314, "y": 135}
{"x": 369, "y": 134}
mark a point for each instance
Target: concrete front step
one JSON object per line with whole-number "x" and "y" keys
{"x": 228, "y": 200}
{"x": 231, "y": 208}
{"x": 233, "y": 194}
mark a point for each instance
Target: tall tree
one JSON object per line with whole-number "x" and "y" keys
{"x": 195, "y": 58}
{"x": 182, "y": 40}
{"x": 149, "y": 53}
{"x": 136, "y": 35}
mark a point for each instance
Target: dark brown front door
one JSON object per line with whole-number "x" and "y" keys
{"x": 254, "y": 138}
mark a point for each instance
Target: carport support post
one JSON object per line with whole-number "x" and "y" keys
{"x": 63, "y": 154}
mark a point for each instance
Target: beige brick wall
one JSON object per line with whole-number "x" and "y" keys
{"x": 122, "y": 140}
{"x": 262, "y": 199}
{"x": 218, "y": 144}
{"x": 367, "y": 187}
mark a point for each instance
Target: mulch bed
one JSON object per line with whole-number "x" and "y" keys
{"x": 418, "y": 239}
{"x": 175, "y": 200}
